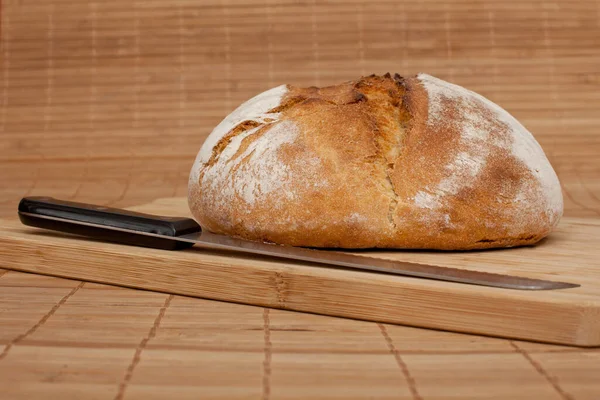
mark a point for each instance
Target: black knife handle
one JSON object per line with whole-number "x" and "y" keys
{"x": 32, "y": 211}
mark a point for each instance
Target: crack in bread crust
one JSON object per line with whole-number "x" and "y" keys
{"x": 226, "y": 140}
{"x": 394, "y": 201}
{"x": 287, "y": 103}
{"x": 385, "y": 96}
{"x": 247, "y": 124}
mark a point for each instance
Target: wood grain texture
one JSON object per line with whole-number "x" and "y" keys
{"x": 108, "y": 102}
{"x": 559, "y": 316}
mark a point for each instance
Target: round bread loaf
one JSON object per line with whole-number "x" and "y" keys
{"x": 380, "y": 162}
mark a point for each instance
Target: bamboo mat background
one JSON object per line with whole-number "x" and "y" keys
{"x": 109, "y": 101}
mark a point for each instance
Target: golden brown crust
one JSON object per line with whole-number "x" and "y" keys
{"x": 369, "y": 163}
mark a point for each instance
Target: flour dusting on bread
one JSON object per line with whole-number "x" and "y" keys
{"x": 258, "y": 170}
{"x": 478, "y": 118}
{"x": 256, "y": 109}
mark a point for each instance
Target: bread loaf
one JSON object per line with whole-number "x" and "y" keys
{"x": 379, "y": 162}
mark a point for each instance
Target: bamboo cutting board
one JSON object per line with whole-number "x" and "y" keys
{"x": 569, "y": 316}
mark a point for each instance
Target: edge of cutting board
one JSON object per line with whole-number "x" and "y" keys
{"x": 560, "y": 318}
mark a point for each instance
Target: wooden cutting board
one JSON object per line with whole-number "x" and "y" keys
{"x": 570, "y": 316}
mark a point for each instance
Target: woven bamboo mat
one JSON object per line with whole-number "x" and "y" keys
{"x": 121, "y": 94}
{"x": 108, "y": 101}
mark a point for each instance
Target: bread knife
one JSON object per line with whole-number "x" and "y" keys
{"x": 176, "y": 233}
